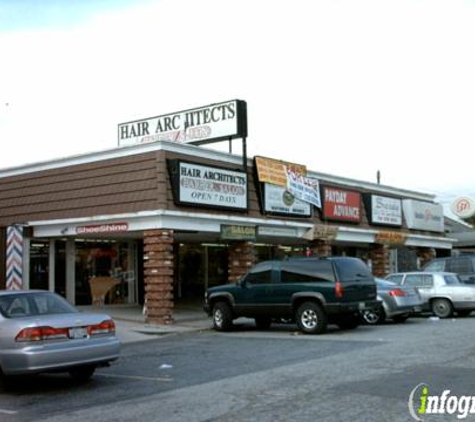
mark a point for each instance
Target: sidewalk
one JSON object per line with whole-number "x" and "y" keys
{"x": 131, "y": 326}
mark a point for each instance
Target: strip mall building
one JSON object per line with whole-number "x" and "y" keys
{"x": 159, "y": 222}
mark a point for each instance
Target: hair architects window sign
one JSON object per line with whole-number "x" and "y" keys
{"x": 195, "y": 184}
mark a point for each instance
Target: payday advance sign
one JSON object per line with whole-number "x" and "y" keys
{"x": 341, "y": 205}
{"x": 202, "y": 125}
{"x": 194, "y": 184}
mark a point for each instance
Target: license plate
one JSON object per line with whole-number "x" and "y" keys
{"x": 361, "y": 306}
{"x": 78, "y": 332}
{"x": 417, "y": 309}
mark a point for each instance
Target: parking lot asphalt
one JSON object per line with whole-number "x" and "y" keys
{"x": 361, "y": 375}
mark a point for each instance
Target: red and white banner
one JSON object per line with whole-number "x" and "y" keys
{"x": 303, "y": 188}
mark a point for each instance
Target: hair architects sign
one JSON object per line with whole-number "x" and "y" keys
{"x": 202, "y": 125}
{"x": 194, "y": 184}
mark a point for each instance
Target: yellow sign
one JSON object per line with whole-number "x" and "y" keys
{"x": 273, "y": 171}
{"x": 391, "y": 238}
{"x": 322, "y": 232}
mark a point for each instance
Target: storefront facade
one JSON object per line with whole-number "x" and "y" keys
{"x": 155, "y": 223}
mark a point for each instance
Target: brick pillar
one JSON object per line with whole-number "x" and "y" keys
{"x": 321, "y": 247}
{"x": 425, "y": 255}
{"x": 379, "y": 255}
{"x": 242, "y": 257}
{"x": 158, "y": 273}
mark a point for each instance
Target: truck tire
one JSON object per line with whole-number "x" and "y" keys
{"x": 222, "y": 317}
{"x": 311, "y": 319}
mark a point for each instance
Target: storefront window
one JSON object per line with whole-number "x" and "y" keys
{"x": 200, "y": 266}
{"x": 103, "y": 273}
{"x": 191, "y": 271}
{"x": 39, "y": 263}
{"x": 60, "y": 267}
{"x": 217, "y": 265}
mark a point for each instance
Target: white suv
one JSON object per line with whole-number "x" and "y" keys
{"x": 443, "y": 293}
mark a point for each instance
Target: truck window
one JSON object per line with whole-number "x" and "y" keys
{"x": 306, "y": 271}
{"x": 260, "y": 274}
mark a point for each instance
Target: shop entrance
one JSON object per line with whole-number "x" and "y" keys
{"x": 105, "y": 272}
{"x": 39, "y": 265}
{"x": 199, "y": 267}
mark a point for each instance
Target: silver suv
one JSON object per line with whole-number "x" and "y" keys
{"x": 443, "y": 293}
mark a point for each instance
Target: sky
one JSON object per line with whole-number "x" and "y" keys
{"x": 345, "y": 87}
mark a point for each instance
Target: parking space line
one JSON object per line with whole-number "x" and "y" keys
{"x": 8, "y": 412}
{"x": 136, "y": 377}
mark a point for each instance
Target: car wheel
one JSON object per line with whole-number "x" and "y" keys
{"x": 222, "y": 317}
{"x": 464, "y": 313}
{"x": 311, "y": 318}
{"x": 441, "y": 308}
{"x": 82, "y": 373}
{"x": 400, "y": 318}
{"x": 349, "y": 323}
{"x": 263, "y": 323}
{"x": 374, "y": 316}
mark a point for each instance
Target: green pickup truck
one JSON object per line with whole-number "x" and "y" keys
{"x": 310, "y": 291}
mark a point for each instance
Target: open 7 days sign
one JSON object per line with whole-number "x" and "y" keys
{"x": 198, "y": 185}
{"x": 201, "y": 125}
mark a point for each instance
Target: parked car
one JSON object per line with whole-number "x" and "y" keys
{"x": 397, "y": 303}
{"x": 463, "y": 265}
{"x": 443, "y": 292}
{"x": 41, "y": 332}
{"x": 311, "y": 291}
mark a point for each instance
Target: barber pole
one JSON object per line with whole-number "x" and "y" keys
{"x": 14, "y": 262}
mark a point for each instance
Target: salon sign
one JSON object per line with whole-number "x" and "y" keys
{"x": 210, "y": 186}
{"x": 201, "y": 125}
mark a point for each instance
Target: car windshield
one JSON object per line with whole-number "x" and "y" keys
{"x": 33, "y": 304}
{"x": 452, "y": 279}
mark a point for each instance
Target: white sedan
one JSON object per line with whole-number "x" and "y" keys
{"x": 443, "y": 293}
